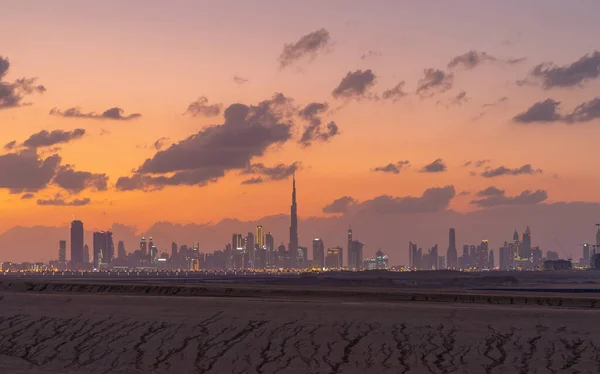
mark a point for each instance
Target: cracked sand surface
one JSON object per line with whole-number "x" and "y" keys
{"x": 42, "y": 333}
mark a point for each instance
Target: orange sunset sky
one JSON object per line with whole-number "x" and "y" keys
{"x": 156, "y": 58}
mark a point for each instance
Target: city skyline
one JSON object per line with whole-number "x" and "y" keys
{"x": 482, "y": 132}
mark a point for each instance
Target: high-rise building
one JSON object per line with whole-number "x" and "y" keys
{"x": 143, "y": 246}
{"x": 260, "y": 237}
{"x": 270, "y": 249}
{"x": 491, "y": 265}
{"x": 318, "y": 253}
{"x": 249, "y": 255}
{"x": 76, "y": 244}
{"x": 293, "y": 245}
{"x": 525, "y": 248}
{"x": 86, "y": 254}
{"x": 452, "y": 255}
{"x": 62, "y": 251}
{"x": 355, "y": 254}
{"x": 104, "y": 249}
{"x": 351, "y": 256}
{"x": 302, "y": 257}
{"x": 121, "y": 253}
{"x": 441, "y": 263}
{"x": 598, "y": 240}
{"x": 334, "y": 258}
{"x": 173, "y": 249}
{"x": 414, "y": 256}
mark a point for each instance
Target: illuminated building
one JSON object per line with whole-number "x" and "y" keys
{"x": 260, "y": 238}
{"x": 62, "y": 251}
{"x": 302, "y": 260}
{"x": 318, "y": 253}
{"x": 104, "y": 249}
{"x": 293, "y": 245}
{"x": 76, "y": 244}
{"x": 281, "y": 256}
{"x": 143, "y": 246}
{"x": 334, "y": 258}
{"x": 381, "y": 260}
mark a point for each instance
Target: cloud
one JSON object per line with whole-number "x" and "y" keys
{"x": 58, "y": 200}
{"x": 341, "y": 205}
{"x": 394, "y": 93}
{"x": 45, "y": 138}
{"x": 355, "y": 84}
{"x": 497, "y": 102}
{"x": 314, "y": 131}
{"x": 432, "y": 200}
{"x": 13, "y": 94}
{"x": 27, "y": 171}
{"x": 393, "y": 168}
{"x": 464, "y": 193}
{"x": 10, "y": 145}
{"x": 436, "y": 166}
{"x": 247, "y": 132}
{"x": 542, "y": 111}
{"x": 498, "y": 198}
{"x": 239, "y": 80}
{"x": 472, "y": 59}
{"x": 27, "y": 196}
{"x": 160, "y": 143}
{"x": 200, "y": 107}
{"x": 459, "y": 99}
{"x": 369, "y": 53}
{"x": 574, "y": 75}
{"x": 256, "y": 180}
{"x": 309, "y": 45}
{"x": 77, "y": 181}
{"x": 277, "y": 172}
{"x": 115, "y": 114}
{"x": 585, "y": 112}
{"x": 491, "y": 191}
{"x": 476, "y": 163}
{"x": 434, "y": 81}
{"x": 502, "y": 170}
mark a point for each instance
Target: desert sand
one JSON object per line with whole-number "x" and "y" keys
{"x": 74, "y": 332}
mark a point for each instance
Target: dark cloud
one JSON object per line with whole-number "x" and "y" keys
{"x": 277, "y": 172}
{"x": 498, "y": 198}
{"x": 46, "y": 138}
{"x": 256, "y": 180}
{"x": 58, "y": 200}
{"x": 576, "y": 74}
{"x": 499, "y": 101}
{"x": 309, "y": 45}
{"x": 115, "y": 114}
{"x": 239, "y": 80}
{"x": 27, "y": 171}
{"x": 10, "y": 145}
{"x": 476, "y": 163}
{"x": 433, "y": 200}
{"x": 394, "y": 93}
{"x": 436, "y": 166}
{"x": 473, "y": 59}
{"x": 502, "y": 170}
{"x": 547, "y": 111}
{"x": 247, "y": 132}
{"x": 13, "y": 94}
{"x": 585, "y": 112}
{"x": 160, "y": 143}
{"x": 464, "y": 193}
{"x": 341, "y": 205}
{"x": 314, "y": 131}
{"x": 77, "y": 181}
{"x": 356, "y": 84}
{"x": 491, "y": 191}
{"x": 370, "y": 53}
{"x": 542, "y": 111}
{"x": 393, "y": 167}
{"x": 27, "y": 196}
{"x": 200, "y": 107}
{"x": 434, "y": 81}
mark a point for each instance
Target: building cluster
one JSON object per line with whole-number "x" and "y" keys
{"x": 255, "y": 251}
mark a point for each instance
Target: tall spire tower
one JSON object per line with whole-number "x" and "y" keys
{"x": 293, "y": 245}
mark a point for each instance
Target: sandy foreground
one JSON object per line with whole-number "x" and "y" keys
{"x": 105, "y": 333}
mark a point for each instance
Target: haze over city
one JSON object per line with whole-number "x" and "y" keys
{"x": 185, "y": 121}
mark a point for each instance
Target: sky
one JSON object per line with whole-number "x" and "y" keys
{"x": 195, "y": 112}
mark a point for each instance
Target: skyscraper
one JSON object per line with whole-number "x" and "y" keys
{"x": 270, "y": 249}
{"x": 318, "y": 253}
{"x": 121, "y": 253}
{"x": 62, "y": 251}
{"x": 173, "y": 249}
{"x": 104, "y": 249}
{"x": 452, "y": 254}
{"x": 143, "y": 246}
{"x": 86, "y": 254}
{"x": 293, "y": 245}
{"x": 76, "y": 244}
{"x": 260, "y": 237}
{"x": 525, "y": 248}
{"x": 249, "y": 255}
{"x": 351, "y": 260}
